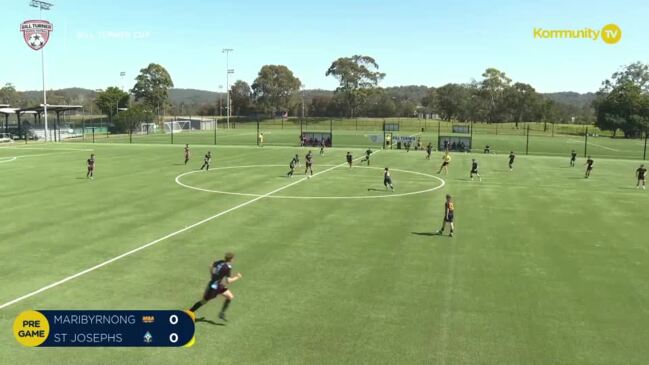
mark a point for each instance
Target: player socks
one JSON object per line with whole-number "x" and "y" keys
{"x": 196, "y": 305}
{"x": 226, "y": 304}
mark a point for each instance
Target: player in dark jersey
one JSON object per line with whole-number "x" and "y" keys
{"x": 91, "y": 167}
{"x": 387, "y": 180}
{"x": 309, "y": 164}
{"x": 641, "y": 174}
{"x": 474, "y": 170}
{"x": 186, "y": 154}
{"x": 589, "y": 166}
{"x": 429, "y": 150}
{"x": 449, "y": 215}
{"x": 221, "y": 272}
{"x": 512, "y": 156}
{"x": 297, "y": 160}
{"x": 349, "y": 159}
{"x": 207, "y": 160}
{"x": 368, "y": 153}
{"x": 573, "y": 158}
{"x": 291, "y": 166}
{"x": 322, "y": 147}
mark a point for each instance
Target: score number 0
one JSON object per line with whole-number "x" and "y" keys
{"x": 173, "y": 337}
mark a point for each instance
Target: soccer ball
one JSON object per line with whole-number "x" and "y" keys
{"x": 36, "y": 40}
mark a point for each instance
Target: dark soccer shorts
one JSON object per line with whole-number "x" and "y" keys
{"x": 211, "y": 293}
{"x": 473, "y": 172}
{"x": 445, "y": 163}
{"x": 449, "y": 218}
{"x": 387, "y": 181}
{"x": 91, "y": 168}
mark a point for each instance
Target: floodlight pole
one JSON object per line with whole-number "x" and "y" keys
{"x": 227, "y": 81}
{"x": 41, "y": 5}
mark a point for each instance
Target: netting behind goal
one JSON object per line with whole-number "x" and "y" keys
{"x": 177, "y": 126}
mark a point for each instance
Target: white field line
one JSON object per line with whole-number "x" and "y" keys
{"x": 7, "y": 159}
{"x": 44, "y": 148}
{"x": 128, "y": 253}
{"x": 594, "y": 144}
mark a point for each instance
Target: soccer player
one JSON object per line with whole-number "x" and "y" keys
{"x": 446, "y": 160}
{"x": 91, "y": 167}
{"x": 573, "y": 158}
{"x": 291, "y": 166}
{"x": 309, "y": 164}
{"x": 449, "y": 212}
{"x": 641, "y": 174}
{"x": 297, "y": 160}
{"x": 221, "y": 272}
{"x": 186, "y": 154}
{"x": 349, "y": 159}
{"x": 207, "y": 160}
{"x": 474, "y": 170}
{"x": 589, "y": 166}
{"x": 512, "y": 156}
{"x": 368, "y": 153}
{"x": 429, "y": 150}
{"x": 322, "y": 147}
{"x": 261, "y": 139}
{"x": 387, "y": 180}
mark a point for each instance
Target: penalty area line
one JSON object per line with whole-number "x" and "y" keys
{"x": 170, "y": 235}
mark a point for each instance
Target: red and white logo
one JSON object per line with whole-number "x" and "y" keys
{"x": 36, "y": 33}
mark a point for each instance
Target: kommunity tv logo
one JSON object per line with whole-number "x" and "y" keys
{"x": 610, "y": 33}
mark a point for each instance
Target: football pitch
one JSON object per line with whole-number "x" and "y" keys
{"x": 546, "y": 267}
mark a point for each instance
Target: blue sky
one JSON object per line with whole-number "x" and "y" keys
{"x": 415, "y": 42}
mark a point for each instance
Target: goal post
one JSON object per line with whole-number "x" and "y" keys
{"x": 177, "y": 126}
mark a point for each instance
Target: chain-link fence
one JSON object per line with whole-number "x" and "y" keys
{"x": 522, "y": 138}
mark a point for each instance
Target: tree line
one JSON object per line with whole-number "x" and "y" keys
{"x": 622, "y": 103}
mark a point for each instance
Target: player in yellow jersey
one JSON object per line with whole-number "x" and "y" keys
{"x": 446, "y": 160}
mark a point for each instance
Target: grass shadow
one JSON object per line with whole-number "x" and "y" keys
{"x": 209, "y": 321}
{"x": 429, "y": 234}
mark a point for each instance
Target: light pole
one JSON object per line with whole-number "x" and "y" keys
{"x": 122, "y": 74}
{"x": 227, "y": 81}
{"x": 42, "y": 6}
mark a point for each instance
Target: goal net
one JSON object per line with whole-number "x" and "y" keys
{"x": 6, "y": 138}
{"x": 148, "y": 128}
{"x": 177, "y": 126}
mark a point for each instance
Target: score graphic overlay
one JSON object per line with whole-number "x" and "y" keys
{"x": 102, "y": 328}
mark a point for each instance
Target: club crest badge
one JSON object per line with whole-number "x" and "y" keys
{"x": 36, "y": 33}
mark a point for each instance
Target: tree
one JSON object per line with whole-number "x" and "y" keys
{"x": 357, "y": 76}
{"x": 623, "y": 101}
{"x": 493, "y": 87}
{"x": 240, "y": 96}
{"x": 110, "y": 100}
{"x": 130, "y": 120}
{"x": 625, "y": 107}
{"x": 522, "y": 102}
{"x": 637, "y": 73}
{"x": 276, "y": 88}
{"x": 152, "y": 86}
{"x": 452, "y": 100}
{"x": 9, "y": 95}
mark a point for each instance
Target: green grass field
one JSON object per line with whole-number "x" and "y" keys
{"x": 546, "y": 268}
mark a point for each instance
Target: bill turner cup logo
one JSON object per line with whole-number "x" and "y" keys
{"x": 36, "y": 33}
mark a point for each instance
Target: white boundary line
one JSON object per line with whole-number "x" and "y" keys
{"x": 93, "y": 268}
{"x": 311, "y": 197}
{"x": 7, "y": 159}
